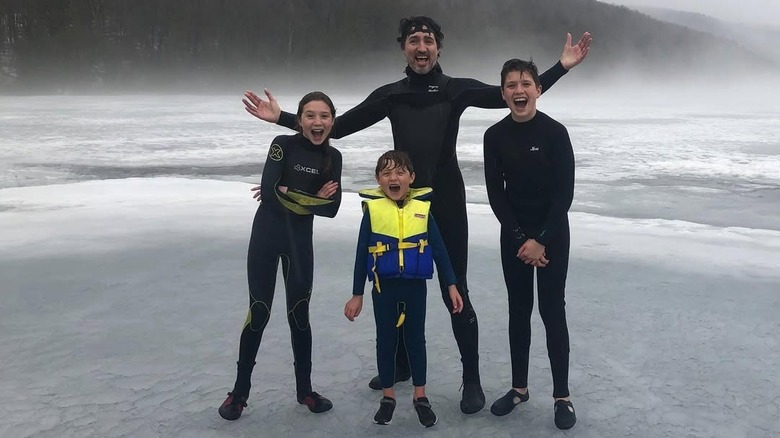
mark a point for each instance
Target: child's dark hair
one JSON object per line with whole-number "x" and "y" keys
{"x": 417, "y": 23}
{"x": 311, "y": 97}
{"x": 394, "y": 159}
{"x": 515, "y": 64}
{"x": 316, "y": 95}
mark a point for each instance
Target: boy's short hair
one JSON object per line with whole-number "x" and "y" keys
{"x": 515, "y": 64}
{"x": 397, "y": 158}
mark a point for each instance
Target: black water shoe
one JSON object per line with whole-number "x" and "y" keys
{"x": 507, "y": 403}
{"x": 233, "y": 406}
{"x": 385, "y": 413}
{"x": 376, "y": 384}
{"x": 315, "y": 402}
{"x": 424, "y": 412}
{"x": 473, "y": 399}
{"x": 564, "y": 414}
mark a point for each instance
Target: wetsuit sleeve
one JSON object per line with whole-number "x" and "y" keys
{"x": 551, "y": 76}
{"x": 494, "y": 184}
{"x": 326, "y": 207}
{"x": 563, "y": 174}
{"x": 440, "y": 256}
{"x": 361, "y": 253}
{"x": 272, "y": 173}
{"x": 287, "y": 120}
{"x": 471, "y": 92}
{"x": 365, "y": 114}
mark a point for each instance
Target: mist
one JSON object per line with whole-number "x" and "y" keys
{"x": 762, "y": 12}
{"x": 147, "y": 47}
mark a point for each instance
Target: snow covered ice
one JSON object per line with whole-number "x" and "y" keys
{"x": 123, "y": 285}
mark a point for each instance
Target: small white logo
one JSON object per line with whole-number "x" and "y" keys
{"x": 433, "y": 88}
{"x": 534, "y": 148}
{"x": 301, "y": 168}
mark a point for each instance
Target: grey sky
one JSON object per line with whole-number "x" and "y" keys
{"x": 749, "y": 11}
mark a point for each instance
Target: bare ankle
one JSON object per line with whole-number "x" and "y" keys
{"x": 419, "y": 391}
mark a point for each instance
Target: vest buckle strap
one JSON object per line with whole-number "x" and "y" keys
{"x": 379, "y": 248}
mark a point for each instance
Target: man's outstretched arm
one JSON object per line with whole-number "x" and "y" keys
{"x": 365, "y": 114}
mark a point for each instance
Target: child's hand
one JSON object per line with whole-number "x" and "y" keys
{"x": 328, "y": 190}
{"x": 258, "y": 195}
{"x": 457, "y": 301}
{"x": 353, "y": 307}
{"x": 532, "y": 252}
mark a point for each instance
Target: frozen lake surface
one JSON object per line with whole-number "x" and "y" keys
{"x": 125, "y": 222}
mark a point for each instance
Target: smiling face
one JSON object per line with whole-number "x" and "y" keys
{"x": 520, "y": 92}
{"x": 421, "y": 51}
{"x": 316, "y": 121}
{"x": 394, "y": 180}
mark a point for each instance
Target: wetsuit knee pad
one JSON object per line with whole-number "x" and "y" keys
{"x": 257, "y": 317}
{"x": 299, "y": 315}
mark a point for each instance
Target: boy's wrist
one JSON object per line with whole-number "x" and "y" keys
{"x": 519, "y": 235}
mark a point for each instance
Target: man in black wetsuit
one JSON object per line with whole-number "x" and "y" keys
{"x": 424, "y": 111}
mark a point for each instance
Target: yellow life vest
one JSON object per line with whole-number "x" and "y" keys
{"x": 399, "y": 239}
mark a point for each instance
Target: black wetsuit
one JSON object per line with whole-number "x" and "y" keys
{"x": 529, "y": 175}
{"x": 424, "y": 112}
{"x": 282, "y": 230}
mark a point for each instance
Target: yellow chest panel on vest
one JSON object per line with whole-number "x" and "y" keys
{"x": 390, "y": 220}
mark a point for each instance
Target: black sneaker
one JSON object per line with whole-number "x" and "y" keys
{"x": 315, "y": 402}
{"x": 385, "y": 413}
{"x": 507, "y": 403}
{"x": 564, "y": 414}
{"x": 376, "y": 384}
{"x": 232, "y": 407}
{"x": 424, "y": 412}
{"x": 473, "y": 398}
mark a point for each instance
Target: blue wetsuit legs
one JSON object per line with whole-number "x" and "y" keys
{"x": 408, "y": 296}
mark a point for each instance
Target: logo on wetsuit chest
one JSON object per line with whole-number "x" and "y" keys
{"x": 533, "y": 149}
{"x": 301, "y": 168}
{"x": 433, "y": 88}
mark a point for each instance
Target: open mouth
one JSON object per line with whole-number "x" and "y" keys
{"x": 394, "y": 188}
{"x": 520, "y": 103}
{"x": 317, "y": 133}
{"x": 421, "y": 58}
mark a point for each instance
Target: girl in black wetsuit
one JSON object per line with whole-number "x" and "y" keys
{"x": 529, "y": 175}
{"x": 301, "y": 178}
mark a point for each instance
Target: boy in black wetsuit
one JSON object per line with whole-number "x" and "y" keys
{"x": 397, "y": 246}
{"x": 424, "y": 110}
{"x": 529, "y": 175}
{"x": 301, "y": 179}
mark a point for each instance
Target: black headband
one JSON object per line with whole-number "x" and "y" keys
{"x": 419, "y": 28}
{"x": 420, "y": 25}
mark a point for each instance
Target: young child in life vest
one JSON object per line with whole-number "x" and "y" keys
{"x": 397, "y": 247}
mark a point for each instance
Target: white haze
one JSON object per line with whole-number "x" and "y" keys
{"x": 765, "y": 12}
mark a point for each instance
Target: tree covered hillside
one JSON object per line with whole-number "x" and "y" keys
{"x": 94, "y": 44}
